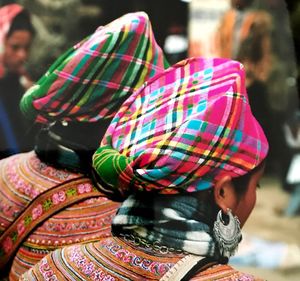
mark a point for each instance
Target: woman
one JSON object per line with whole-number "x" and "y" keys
{"x": 75, "y": 99}
{"x": 240, "y": 22}
{"x": 16, "y": 35}
{"x": 188, "y": 154}
{"x": 246, "y": 34}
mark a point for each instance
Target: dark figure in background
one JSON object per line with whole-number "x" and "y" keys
{"x": 292, "y": 184}
{"x": 16, "y": 35}
{"x": 100, "y": 71}
{"x": 176, "y": 43}
{"x": 245, "y": 34}
{"x": 251, "y": 54}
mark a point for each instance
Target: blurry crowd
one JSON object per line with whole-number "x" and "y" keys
{"x": 256, "y": 33}
{"x": 260, "y": 36}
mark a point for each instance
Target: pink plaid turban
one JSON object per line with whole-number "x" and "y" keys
{"x": 182, "y": 131}
{"x": 90, "y": 81}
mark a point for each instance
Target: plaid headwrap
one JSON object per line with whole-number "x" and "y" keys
{"x": 183, "y": 130}
{"x": 7, "y": 14}
{"x": 92, "y": 79}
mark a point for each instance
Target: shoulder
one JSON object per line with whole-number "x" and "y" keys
{"x": 28, "y": 167}
{"x": 107, "y": 259}
{"x": 222, "y": 272}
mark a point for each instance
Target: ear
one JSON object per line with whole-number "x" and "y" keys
{"x": 225, "y": 194}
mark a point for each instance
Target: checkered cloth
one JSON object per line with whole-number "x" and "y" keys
{"x": 7, "y": 14}
{"x": 182, "y": 131}
{"x": 92, "y": 79}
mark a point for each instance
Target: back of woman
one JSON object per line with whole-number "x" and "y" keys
{"x": 187, "y": 154}
{"x": 47, "y": 197}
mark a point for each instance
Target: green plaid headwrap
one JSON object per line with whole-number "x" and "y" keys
{"x": 91, "y": 80}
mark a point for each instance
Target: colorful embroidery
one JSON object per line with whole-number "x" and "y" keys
{"x": 131, "y": 259}
{"x": 18, "y": 182}
{"x": 83, "y": 222}
{"x": 86, "y": 266}
{"x": 52, "y": 199}
{"x": 112, "y": 259}
{"x": 43, "y": 169}
{"x": 46, "y": 271}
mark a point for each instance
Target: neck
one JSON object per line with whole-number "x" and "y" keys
{"x": 177, "y": 222}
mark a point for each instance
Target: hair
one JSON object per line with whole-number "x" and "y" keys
{"x": 241, "y": 183}
{"x": 207, "y": 204}
{"x": 22, "y": 21}
{"x": 241, "y": 4}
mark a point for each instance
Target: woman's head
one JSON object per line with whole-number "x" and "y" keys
{"x": 90, "y": 81}
{"x": 16, "y": 34}
{"x": 186, "y": 130}
{"x": 189, "y": 133}
{"x": 241, "y": 4}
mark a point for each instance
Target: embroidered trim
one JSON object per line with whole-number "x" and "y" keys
{"x": 181, "y": 268}
{"x": 40, "y": 209}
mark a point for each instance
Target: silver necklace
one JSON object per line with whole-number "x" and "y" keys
{"x": 155, "y": 246}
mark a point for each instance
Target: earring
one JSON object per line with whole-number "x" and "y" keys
{"x": 227, "y": 233}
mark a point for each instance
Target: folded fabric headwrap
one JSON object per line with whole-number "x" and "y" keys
{"x": 7, "y": 15}
{"x": 92, "y": 79}
{"x": 182, "y": 131}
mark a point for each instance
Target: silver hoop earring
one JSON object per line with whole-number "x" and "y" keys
{"x": 227, "y": 234}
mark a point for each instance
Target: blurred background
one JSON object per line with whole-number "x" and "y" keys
{"x": 264, "y": 36}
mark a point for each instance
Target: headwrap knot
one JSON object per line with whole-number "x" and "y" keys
{"x": 118, "y": 174}
{"x": 110, "y": 166}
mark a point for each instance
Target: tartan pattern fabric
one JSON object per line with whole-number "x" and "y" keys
{"x": 92, "y": 79}
{"x": 183, "y": 130}
{"x": 7, "y": 14}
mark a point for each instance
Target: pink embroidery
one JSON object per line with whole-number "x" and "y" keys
{"x": 100, "y": 224}
{"x": 87, "y": 267}
{"x": 7, "y": 244}
{"x": 37, "y": 212}
{"x": 19, "y": 183}
{"x": 84, "y": 188}
{"x": 75, "y": 255}
{"x": 58, "y": 197}
{"x": 130, "y": 258}
{"x": 21, "y": 227}
{"x": 46, "y": 271}
{"x": 99, "y": 275}
{"x": 46, "y": 170}
{"x": 245, "y": 277}
{"x": 125, "y": 256}
{"x": 160, "y": 268}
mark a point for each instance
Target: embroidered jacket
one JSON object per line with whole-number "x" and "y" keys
{"x": 23, "y": 178}
{"x": 119, "y": 259}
